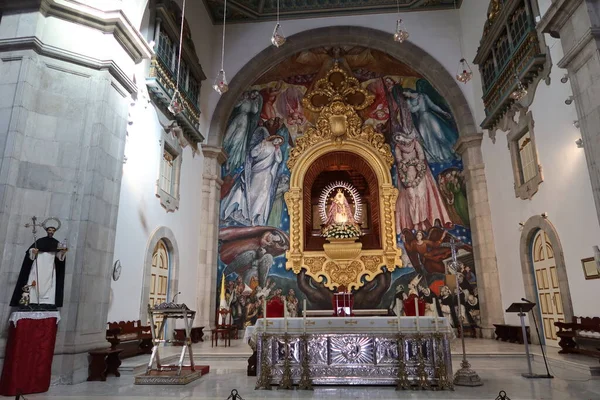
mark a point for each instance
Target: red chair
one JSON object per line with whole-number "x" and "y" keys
{"x": 409, "y": 306}
{"x": 275, "y": 308}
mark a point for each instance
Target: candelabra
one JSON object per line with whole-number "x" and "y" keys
{"x": 402, "y": 382}
{"x": 286, "y": 377}
{"x": 305, "y": 381}
{"x": 264, "y": 380}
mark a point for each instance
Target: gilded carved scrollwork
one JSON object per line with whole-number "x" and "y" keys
{"x": 337, "y": 97}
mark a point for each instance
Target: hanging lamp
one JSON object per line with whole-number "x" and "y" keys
{"x": 220, "y": 84}
{"x": 400, "y": 35}
{"x": 519, "y": 91}
{"x": 176, "y": 104}
{"x": 464, "y": 72}
{"x": 278, "y": 38}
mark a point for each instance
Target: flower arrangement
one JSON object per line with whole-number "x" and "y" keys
{"x": 341, "y": 231}
{"x": 420, "y": 169}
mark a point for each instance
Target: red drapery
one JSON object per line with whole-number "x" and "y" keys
{"x": 28, "y": 361}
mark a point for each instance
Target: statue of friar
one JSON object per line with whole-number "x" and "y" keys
{"x": 42, "y": 274}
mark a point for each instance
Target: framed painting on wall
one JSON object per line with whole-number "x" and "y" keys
{"x": 590, "y": 271}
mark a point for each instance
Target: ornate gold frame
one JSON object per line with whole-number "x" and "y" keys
{"x": 339, "y": 128}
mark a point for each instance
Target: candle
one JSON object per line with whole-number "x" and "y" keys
{"x": 417, "y": 312}
{"x": 398, "y": 322}
{"x": 304, "y": 316}
{"x": 264, "y": 315}
{"x": 285, "y": 324}
{"x": 436, "y": 323}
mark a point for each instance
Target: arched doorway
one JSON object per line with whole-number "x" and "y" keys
{"x": 547, "y": 287}
{"x": 545, "y": 277}
{"x": 159, "y": 274}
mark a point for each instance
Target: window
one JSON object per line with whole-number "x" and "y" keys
{"x": 167, "y": 184}
{"x": 519, "y": 25}
{"x": 502, "y": 50}
{"x": 167, "y": 171}
{"x": 526, "y": 169}
{"x": 165, "y": 51}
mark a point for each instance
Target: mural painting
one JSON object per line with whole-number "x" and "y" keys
{"x": 431, "y": 209}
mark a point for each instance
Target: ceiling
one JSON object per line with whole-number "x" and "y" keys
{"x": 266, "y": 10}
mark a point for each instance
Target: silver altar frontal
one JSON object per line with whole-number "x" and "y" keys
{"x": 354, "y": 351}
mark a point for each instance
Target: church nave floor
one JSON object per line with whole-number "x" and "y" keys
{"x": 498, "y": 364}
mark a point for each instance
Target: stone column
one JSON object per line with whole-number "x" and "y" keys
{"x": 577, "y": 22}
{"x": 480, "y": 216}
{"x": 214, "y": 157}
{"x": 64, "y": 79}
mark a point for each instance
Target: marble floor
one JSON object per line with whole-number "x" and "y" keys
{"x": 498, "y": 364}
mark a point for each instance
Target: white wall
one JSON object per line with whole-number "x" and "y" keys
{"x": 140, "y": 212}
{"x": 565, "y": 193}
{"x": 436, "y": 32}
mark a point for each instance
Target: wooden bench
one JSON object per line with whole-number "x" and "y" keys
{"x": 581, "y": 336}
{"x": 196, "y": 335}
{"x": 130, "y": 336}
{"x": 511, "y": 333}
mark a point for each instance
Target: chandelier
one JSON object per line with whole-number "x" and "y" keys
{"x": 466, "y": 74}
{"x": 400, "y": 35}
{"x": 278, "y": 38}
{"x": 519, "y": 91}
{"x": 220, "y": 84}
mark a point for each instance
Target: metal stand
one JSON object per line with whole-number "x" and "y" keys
{"x": 530, "y": 373}
{"x": 163, "y": 374}
{"x": 465, "y": 376}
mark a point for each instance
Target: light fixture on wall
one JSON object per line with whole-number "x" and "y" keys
{"x": 521, "y": 225}
{"x": 565, "y": 78}
{"x": 579, "y": 143}
{"x": 576, "y": 123}
{"x": 464, "y": 72}
{"x": 400, "y": 35}
{"x": 220, "y": 84}
{"x": 569, "y": 100}
{"x": 176, "y": 104}
{"x": 544, "y": 215}
{"x": 519, "y": 91}
{"x": 278, "y": 38}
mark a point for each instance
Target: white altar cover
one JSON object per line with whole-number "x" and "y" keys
{"x": 388, "y": 325}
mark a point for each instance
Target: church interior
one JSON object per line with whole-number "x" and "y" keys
{"x": 250, "y": 199}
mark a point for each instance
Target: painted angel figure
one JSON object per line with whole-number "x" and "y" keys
{"x": 340, "y": 212}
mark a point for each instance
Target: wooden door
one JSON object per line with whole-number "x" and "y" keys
{"x": 548, "y": 291}
{"x": 159, "y": 280}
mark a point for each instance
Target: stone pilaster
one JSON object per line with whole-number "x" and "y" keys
{"x": 484, "y": 250}
{"x": 577, "y": 22}
{"x": 63, "y": 120}
{"x": 214, "y": 157}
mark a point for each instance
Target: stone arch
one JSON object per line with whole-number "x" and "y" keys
{"x": 409, "y": 53}
{"x": 168, "y": 237}
{"x": 531, "y": 227}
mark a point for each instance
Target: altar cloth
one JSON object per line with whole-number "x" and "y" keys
{"x": 387, "y": 325}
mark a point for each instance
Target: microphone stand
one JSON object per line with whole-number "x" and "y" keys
{"x": 540, "y": 340}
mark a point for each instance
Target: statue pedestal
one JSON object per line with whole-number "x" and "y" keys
{"x": 343, "y": 250}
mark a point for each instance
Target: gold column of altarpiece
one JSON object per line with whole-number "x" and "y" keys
{"x": 336, "y": 98}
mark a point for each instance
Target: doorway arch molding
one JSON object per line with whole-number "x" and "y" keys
{"x": 408, "y": 53}
{"x": 531, "y": 227}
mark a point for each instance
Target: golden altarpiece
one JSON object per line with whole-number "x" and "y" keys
{"x": 340, "y": 141}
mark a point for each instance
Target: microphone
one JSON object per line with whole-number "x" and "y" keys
{"x": 174, "y": 297}
{"x": 527, "y": 301}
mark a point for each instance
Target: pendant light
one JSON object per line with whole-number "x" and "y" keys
{"x": 519, "y": 91}
{"x": 400, "y": 35}
{"x": 278, "y": 38}
{"x": 220, "y": 84}
{"x": 464, "y": 72}
{"x": 176, "y": 104}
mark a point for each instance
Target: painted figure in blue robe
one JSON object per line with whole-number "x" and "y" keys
{"x": 433, "y": 121}
{"x": 242, "y": 124}
{"x": 282, "y": 181}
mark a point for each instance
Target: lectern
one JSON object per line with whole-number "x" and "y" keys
{"x": 522, "y": 309}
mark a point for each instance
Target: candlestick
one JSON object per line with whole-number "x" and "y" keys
{"x": 264, "y": 314}
{"x": 417, "y": 313}
{"x": 304, "y": 316}
{"x": 285, "y": 325}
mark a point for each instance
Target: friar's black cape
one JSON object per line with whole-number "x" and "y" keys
{"x": 44, "y": 245}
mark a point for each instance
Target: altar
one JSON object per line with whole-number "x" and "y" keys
{"x": 405, "y": 351}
